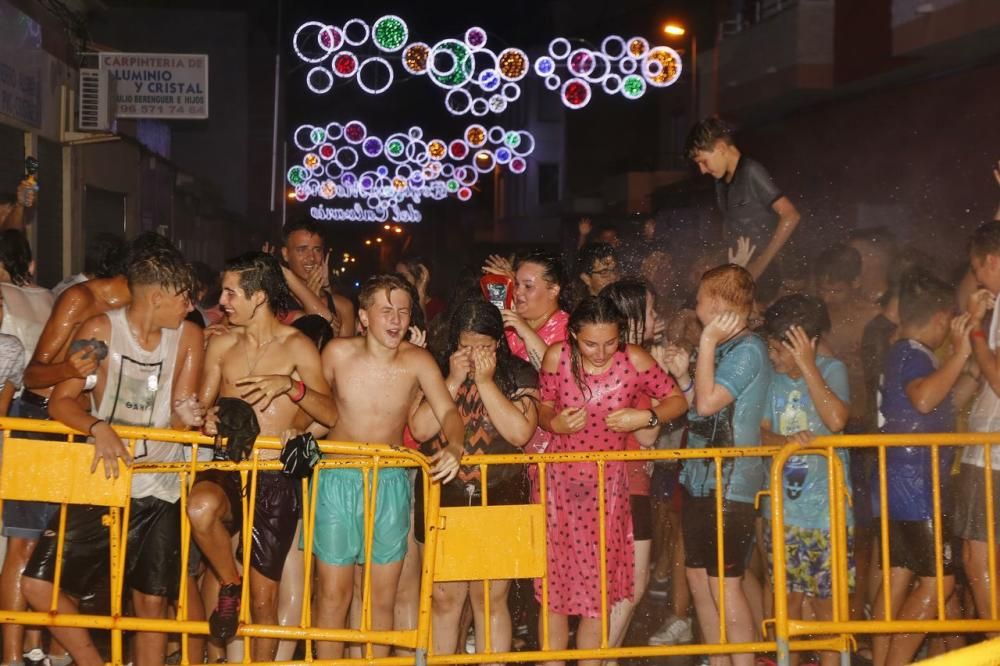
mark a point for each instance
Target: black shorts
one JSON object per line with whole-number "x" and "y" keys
{"x": 700, "y": 543}
{"x": 275, "y": 516}
{"x": 456, "y": 493}
{"x": 642, "y": 517}
{"x": 911, "y": 546}
{"x": 152, "y": 557}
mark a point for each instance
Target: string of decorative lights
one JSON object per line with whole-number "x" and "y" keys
{"x": 479, "y": 80}
{"x": 416, "y": 169}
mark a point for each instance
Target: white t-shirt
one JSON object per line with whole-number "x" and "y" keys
{"x": 985, "y": 414}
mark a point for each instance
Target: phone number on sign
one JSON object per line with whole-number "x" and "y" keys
{"x": 163, "y": 109}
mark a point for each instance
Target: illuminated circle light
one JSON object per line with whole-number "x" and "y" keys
{"x": 319, "y": 80}
{"x": 496, "y": 134}
{"x": 436, "y": 149}
{"x": 372, "y": 147}
{"x": 633, "y": 86}
{"x": 545, "y": 66}
{"x": 662, "y": 67}
{"x": 458, "y": 149}
{"x": 637, "y": 47}
{"x": 489, "y": 80}
{"x": 553, "y": 82}
{"x": 326, "y": 151}
{"x": 518, "y": 165}
{"x": 464, "y": 193}
{"x": 415, "y": 58}
{"x": 512, "y": 139}
{"x": 613, "y": 47}
{"x": 327, "y": 189}
{"x": 458, "y": 101}
{"x": 581, "y": 62}
{"x": 355, "y": 132}
{"x": 484, "y": 161}
{"x": 332, "y": 170}
{"x": 559, "y": 48}
{"x": 356, "y": 32}
{"x": 303, "y": 138}
{"x": 576, "y": 93}
{"x": 480, "y": 107}
{"x": 503, "y": 155}
{"x": 345, "y": 64}
{"x": 611, "y": 84}
{"x": 475, "y": 135}
{"x": 399, "y": 184}
{"x": 511, "y": 92}
{"x": 513, "y": 64}
{"x": 330, "y": 38}
{"x": 452, "y": 185}
{"x": 347, "y": 158}
{"x": 450, "y": 63}
{"x": 307, "y": 29}
{"x": 371, "y": 62}
{"x": 498, "y": 104}
{"x": 301, "y": 193}
{"x": 297, "y": 175}
{"x": 525, "y": 144}
{"x": 466, "y": 175}
{"x": 317, "y": 135}
{"x": 390, "y": 33}
{"x": 415, "y": 132}
{"x": 395, "y": 148}
{"x": 601, "y": 69}
{"x": 382, "y": 171}
{"x": 475, "y": 38}
{"x": 627, "y": 65}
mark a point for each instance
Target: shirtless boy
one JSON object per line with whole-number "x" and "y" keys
{"x": 277, "y": 369}
{"x": 375, "y": 380}
{"x": 151, "y": 370}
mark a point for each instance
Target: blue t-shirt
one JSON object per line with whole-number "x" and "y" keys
{"x": 745, "y": 371}
{"x": 790, "y": 409}
{"x": 908, "y": 468}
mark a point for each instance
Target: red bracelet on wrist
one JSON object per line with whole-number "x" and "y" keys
{"x": 978, "y": 333}
{"x": 300, "y": 393}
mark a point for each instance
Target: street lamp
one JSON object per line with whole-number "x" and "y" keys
{"x": 673, "y": 29}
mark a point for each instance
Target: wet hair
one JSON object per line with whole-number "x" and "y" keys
{"x": 922, "y": 295}
{"x": 482, "y": 317}
{"x": 316, "y": 328}
{"x": 985, "y": 240}
{"x": 839, "y": 263}
{"x": 592, "y": 310}
{"x": 260, "y": 271}
{"x": 387, "y": 283}
{"x": 796, "y": 310}
{"x": 15, "y": 255}
{"x": 466, "y": 287}
{"x": 732, "y": 284}
{"x": 704, "y": 134}
{"x": 552, "y": 270}
{"x": 163, "y": 267}
{"x": 301, "y": 224}
{"x": 591, "y": 253}
{"x": 416, "y": 266}
{"x": 149, "y": 241}
{"x": 629, "y": 296}
{"x": 107, "y": 256}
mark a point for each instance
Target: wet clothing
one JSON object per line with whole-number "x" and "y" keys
{"x": 152, "y": 555}
{"x": 22, "y": 519}
{"x": 275, "y": 518}
{"x": 552, "y": 331}
{"x": 909, "y": 468}
{"x": 911, "y": 546}
{"x": 809, "y": 560}
{"x": 642, "y": 517}
{"x": 742, "y": 368}
{"x": 571, "y": 502}
{"x": 970, "y": 503}
{"x": 985, "y": 413}
{"x": 746, "y": 202}
{"x": 339, "y": 538}
{"x": 25, "y": 311}
{"x": 790, "y": 409}
{"x": 698, "y": 528}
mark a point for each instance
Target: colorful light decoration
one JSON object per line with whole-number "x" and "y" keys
{"x": 413, "y": 169}
{"x": 478, "y": 80}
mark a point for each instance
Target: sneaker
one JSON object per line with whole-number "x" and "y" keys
{"x": 36, "y": 657}
{"x": 658, "y": 588}
{"x": 674, "y": 631}
{"x": 225, "y": 618}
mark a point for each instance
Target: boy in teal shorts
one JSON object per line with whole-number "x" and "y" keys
{"x": 808, "y": 396}
{"x": 375, "y": 378}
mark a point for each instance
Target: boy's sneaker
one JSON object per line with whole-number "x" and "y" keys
{"x": 225, "y": 618}
{"x": 36, "y": 657}
{"x": 658, "y": 588}
{"x": 674, "y": 631}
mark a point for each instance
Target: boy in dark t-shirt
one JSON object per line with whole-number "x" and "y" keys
{"x": 916, "y": 397}
{"x": 751, "y": 204}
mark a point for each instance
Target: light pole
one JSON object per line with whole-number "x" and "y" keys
{"x": 673, "y": 29}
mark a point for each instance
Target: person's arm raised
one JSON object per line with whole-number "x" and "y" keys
{"x": 446, "y": 461}
{"x": 515, "y": 420}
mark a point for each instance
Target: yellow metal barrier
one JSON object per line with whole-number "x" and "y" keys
{"x": 467, "y": 543}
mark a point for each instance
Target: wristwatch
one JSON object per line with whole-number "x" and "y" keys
{"x": 654, "y": 420}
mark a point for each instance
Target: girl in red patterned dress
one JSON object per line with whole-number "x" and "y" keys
{"x": 590, "y": 386}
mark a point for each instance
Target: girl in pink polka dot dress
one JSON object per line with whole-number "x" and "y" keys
{"x": 590, "y": 386}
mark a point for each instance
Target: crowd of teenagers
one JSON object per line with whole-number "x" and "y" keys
{"x": 611, "y": 348}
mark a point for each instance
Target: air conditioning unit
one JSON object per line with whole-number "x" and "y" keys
{"x": 97, "y": 101}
